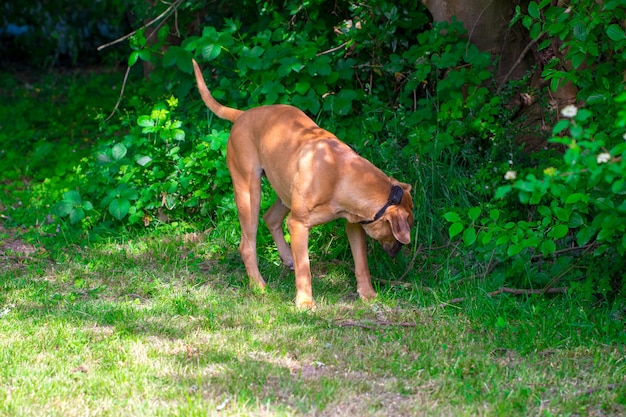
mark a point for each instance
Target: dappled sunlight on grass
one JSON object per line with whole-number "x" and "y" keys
{"x": 160, "y": 325}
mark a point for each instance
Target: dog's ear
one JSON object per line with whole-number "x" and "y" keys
{"x": 400, "y": 227}
{"x": 406, "y": 187}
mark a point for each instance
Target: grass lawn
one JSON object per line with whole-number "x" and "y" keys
{"x": 167, "y": 326}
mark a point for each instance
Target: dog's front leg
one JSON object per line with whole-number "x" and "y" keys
{"x": 300, "y": 250}
{"x": 358, "y": 246}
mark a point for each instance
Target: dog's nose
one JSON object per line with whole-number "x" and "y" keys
{"x": 393, "y": 249}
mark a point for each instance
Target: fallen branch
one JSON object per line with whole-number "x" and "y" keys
{"x": 506, "y": 290}
{"x": 593, "y": 390}
{"x": 372, "y": 325}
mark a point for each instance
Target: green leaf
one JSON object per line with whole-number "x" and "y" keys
{"x": 469, "y": 236}
{"x": 72, "y": 196}
{"x": 118, "y": 151}
{"x": 558, "y": 231}
{"x": 533, "y": 10}
{"x": 171, "y": 56}
{"x": 544, "y": 211}
{"x": 584, "y": 235}
{"x": 128, "y": 194}
{"x": 548, "y": 247}
{"x": 606, "y": 234}
{"x": 560, "y": 126}
{"x": 77, "y": 215}
{"x": 143, "y": 160}
{"x": 211, "y": 51}
{"x": 580, "y": 31}
{"x": 455, "y": 229}
{"x": 119, "y": 208}
{"x": 561, "y": 214}
{"x": 515, "y": 248}
{"x": 64, "y": 208}
{"x": 342, "y": 102}
{"x": 577, "y": 59}
{"x": 145, "y": 54}
{"x": 179, "y": 135}
{"x": 452, "y": 217}
{"x": 145, "y": 121}
{"x": 133, "y": 57}
{"x": 502, "y": 191}
{"x": 576, "y": 197}
{"x": 575, "y": 220}
{"x": 474, "y": 213}
{"x": 535, "y": 31}
{"x": 615, "y": 33}
{"x": 494, "y": 214}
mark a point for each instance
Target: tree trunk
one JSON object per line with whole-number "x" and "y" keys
{"x": 488, "y": 26}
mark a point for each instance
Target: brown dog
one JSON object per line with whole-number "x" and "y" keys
{"x": 317, "y": 178}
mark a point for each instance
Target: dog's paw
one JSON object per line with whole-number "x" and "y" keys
{"x": 305, "y": 303}
{"x": 256, "y": 287}
{"x": 367, "y": 294}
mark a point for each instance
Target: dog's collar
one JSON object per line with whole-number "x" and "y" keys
{"x": 395, "y": 197}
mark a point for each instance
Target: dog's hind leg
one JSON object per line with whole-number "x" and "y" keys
{"x": 274, "y": 218}
{"x": 247, "y": 190}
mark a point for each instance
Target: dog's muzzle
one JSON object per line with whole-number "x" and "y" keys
{"x": 393, "y": 249}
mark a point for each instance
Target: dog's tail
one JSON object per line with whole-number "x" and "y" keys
{"x": 221, "y": 111}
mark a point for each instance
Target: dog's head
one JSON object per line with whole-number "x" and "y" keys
{"x": 393, "y": 228}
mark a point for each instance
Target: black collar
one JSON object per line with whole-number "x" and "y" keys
{"x": 395, "y": 197}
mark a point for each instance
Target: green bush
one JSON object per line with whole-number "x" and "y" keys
{"x": 567, "y": 223}
{"x": 413, "y": 97}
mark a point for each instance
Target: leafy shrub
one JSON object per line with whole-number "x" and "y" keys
{"x": 568, "y": 222}
{"x": 153, "y": 173}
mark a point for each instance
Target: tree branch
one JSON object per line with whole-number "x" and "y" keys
{"x": 506, "y": 290}
{"x": 165, "y": 14}
{"x": 519, "y": 60}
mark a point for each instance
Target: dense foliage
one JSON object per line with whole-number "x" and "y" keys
{"x": 409, "y": 94}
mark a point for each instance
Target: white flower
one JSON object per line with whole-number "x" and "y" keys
{"x": 510, "y": 175}
{"x": 603, "y": 157}
{"x": 569, "y": 111}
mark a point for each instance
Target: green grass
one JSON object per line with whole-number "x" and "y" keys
{"x": 164, "y": 324}
{"x": 167, "y": 326}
